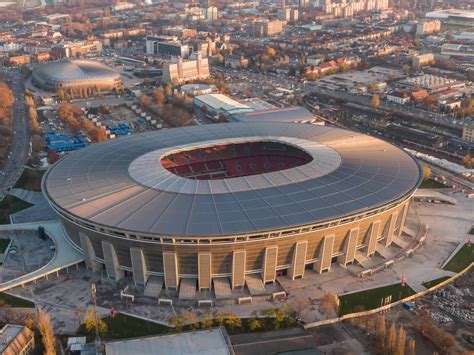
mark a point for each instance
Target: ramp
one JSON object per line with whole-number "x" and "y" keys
{"x": 363, "y": 260}
{"x": 187, "y": 289}
{"x": 153, "y": 287}
{"x": 408, "y": 231}
{"x": 399, "y": 242}
{"x": 382, "y": 251}
{"x": 222, "y": 287}
{"x": 255, "y": 284}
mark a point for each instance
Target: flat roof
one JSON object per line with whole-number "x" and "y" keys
{"x": 121, "y": 184}
{"x": 201, "y": 342}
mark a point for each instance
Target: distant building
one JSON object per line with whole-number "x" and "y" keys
{"x": 181, "y": 71}
{"x": 209, "y": 13}
{"x": 197, "y": 89}
{"x": 400, "y": 98}
{"x": 428, "y": 26}
{"x": 284, "y": 14}
{"x": 22, "y": 59}
{"x": 236, "y": 62}
{"x": 468, "y": 133}
{"x": 268, "y": 28}
{"x": 159, "y": 46}
{"x": 77, "y": 49}
{"x": 218, "y": 103}
{"x": 422, "y": 60}
{"x": 16, "y": 339}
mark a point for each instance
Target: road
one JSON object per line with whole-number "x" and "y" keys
{"x": 21, "y": 136}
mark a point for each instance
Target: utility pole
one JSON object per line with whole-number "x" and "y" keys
{"x": 96, "y": 320}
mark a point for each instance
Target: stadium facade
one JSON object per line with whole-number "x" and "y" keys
{"x": 232, "y": 200}
{"x": 76, "y": 75}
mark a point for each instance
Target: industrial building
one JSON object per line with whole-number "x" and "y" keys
{"x": 233, "y": 205}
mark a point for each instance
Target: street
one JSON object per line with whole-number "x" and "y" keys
{"x": 21, "y": 136}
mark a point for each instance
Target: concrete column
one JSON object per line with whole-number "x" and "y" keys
{"x": 138, "y": 266}
{"x": 269, "y": 264}
{"x": 372, "y": 236}
{"x": 390, "y": 229}
{"x": 325, "y": 254}
{"x": 404, "y": 218}
{"x": 238, "y": 268}
{"x": 111, "y": 262}
{"x": 350, "y": 243}
{"x": 89, "y": 253}
{"x": 170, "y": 267}
{"x": 204, "y": 271}
{"x": 299, "y": 258}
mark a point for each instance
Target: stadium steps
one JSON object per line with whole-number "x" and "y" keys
{"x": 363, "y": 260}
{"x": 255, "y": 284}
{"x": 380, "y": 249}
{"x": 409, "y": 232}
{"x": 153, "y": 287}
{"x": 187, "y": 289}
{"x": 399, "y": 242}
{"x": 222, "y": 288}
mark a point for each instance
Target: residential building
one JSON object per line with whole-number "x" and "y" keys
{"x": 422, "y": 60}
{"x": 428, "y": 26}
{"x": 468, "y": 133}
{"x": 267, "y": 28}
{"x": 181, "y": 71}
{"x": 16, "y": 339}
{"x": 209, "y": 13}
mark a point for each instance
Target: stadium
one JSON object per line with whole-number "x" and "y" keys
{"x": 231, "y": 204}
{"x": 75, "y": 75}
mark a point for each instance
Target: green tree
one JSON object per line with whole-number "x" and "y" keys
{"x": 255, "y": 324}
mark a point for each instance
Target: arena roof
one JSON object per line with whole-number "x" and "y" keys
{"x": 121, "y": 184}
{"x": 74, "y": 71}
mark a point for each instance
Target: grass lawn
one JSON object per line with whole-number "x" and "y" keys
{"x": 9, "y": 205}
{"x": 122, "y": 326}
{"x": 429, "y": 284}
{"x": 463, "y": 258}
{"x": 30, "y": 180}
{"x": 431, "y": 184}
{"x": 370, "y": 299}
{"x": 12, "y": 301}
{"x": 3, "y": 244}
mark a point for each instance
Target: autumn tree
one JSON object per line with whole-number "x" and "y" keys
{"x": 391, "y": 338}
{"x": 381, "y": 333}
{"x": 400, "y": 343}
{"x": 92, "y": 319}
{"x": 45, "y": 329}
{"x": 411, "y": 347}
{"x": 375, "y": 101}
{"x": 255, "y": 324}
{"x": 426, "y": 172}
{"x": 328, "y": 305}
{"x": 298, "y": 305}
{"x": 159, "y": 96}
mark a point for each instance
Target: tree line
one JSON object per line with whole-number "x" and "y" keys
{"x": 73, "y": 116}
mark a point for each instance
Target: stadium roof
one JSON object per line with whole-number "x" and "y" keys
{"x": 287, "y": 114}
{"x": 121, "y": 184}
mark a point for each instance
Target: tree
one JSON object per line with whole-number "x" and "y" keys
{"x": 145, "y": 101}
{"x": 382, "y": 331}
{"x": 206, "y": 320}
{"x": 426, "y": 172}
{"x": 255, "y": 324}
{"x": 411, "y": 347}
{"x": 391, "y": 339}
{"x": 401, "y": 339}
{"x": 90, "y": 321}
{"x": 328, "y": 305}
{"x": 298, "y": 306}
{"x": 45, "y": 329}
{"x": 159, "y": 95}
{"x": 375, "y": 101}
